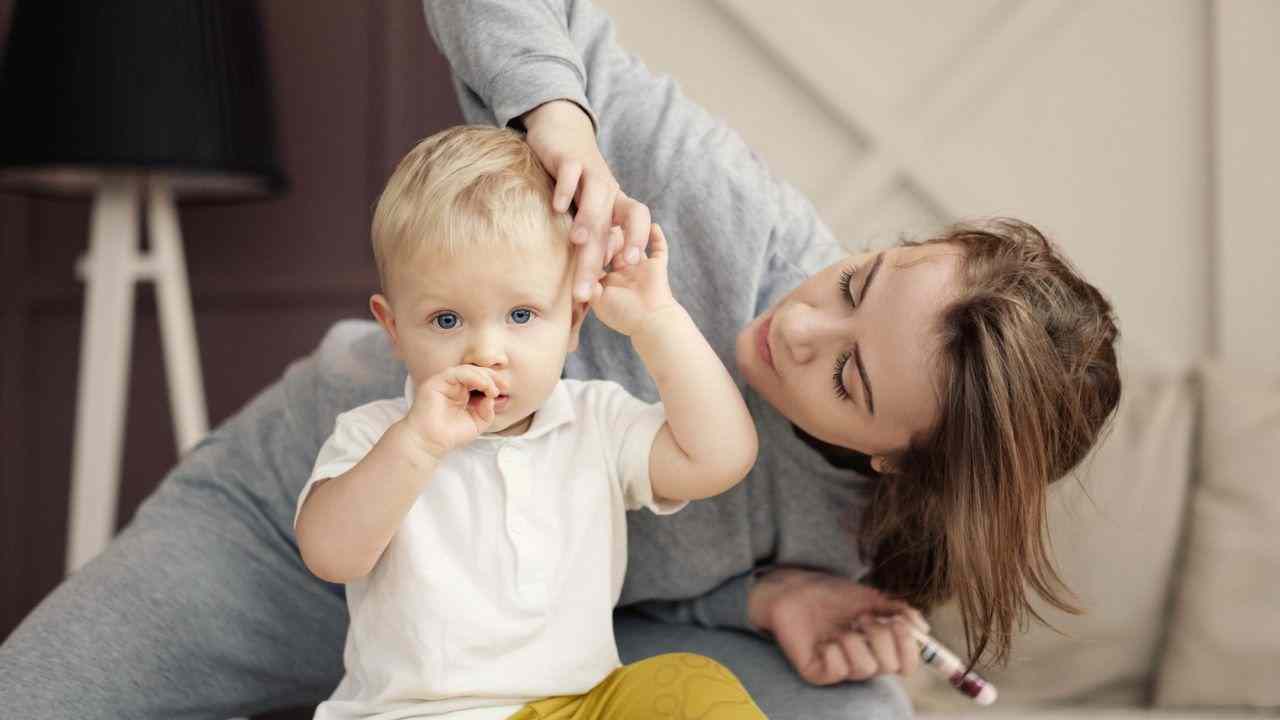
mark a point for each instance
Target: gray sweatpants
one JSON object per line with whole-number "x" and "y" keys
{"x": 200, "y": 610}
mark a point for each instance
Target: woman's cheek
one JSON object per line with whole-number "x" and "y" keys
{"x": 800, "y": 399}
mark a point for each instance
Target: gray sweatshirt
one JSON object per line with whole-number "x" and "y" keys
{"x": 740, "y": 240}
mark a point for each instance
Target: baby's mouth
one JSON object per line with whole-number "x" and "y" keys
{"x": 499, "y": 401}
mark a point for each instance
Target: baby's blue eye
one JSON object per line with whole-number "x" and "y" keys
{"x": 446, "y": 321}
{"x": 521, "y": 315}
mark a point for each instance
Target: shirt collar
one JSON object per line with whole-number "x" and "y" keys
{"x": 557, "y": 410}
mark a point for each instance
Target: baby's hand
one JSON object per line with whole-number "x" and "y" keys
{"x": 452, "y": 407}
{"x": 632, "y": 293}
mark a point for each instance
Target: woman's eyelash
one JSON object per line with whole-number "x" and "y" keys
{"x": 846, "y": 279}
{"x": 837, "y": 372}
{"x": 837, "y": 376}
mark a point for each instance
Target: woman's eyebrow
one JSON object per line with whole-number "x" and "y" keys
{"x": 871, "y": 275}
{"x": 857, "y": 350}
{"x": 862, "y": 374}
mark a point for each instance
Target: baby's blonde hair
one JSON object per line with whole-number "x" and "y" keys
{"x": 466, "y": 187}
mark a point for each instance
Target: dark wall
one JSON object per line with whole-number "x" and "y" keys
{"x": 356, "y": 84}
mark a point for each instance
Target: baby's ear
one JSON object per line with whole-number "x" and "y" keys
{"x": 580, "y": 310}
{"x": 381, "y": 309}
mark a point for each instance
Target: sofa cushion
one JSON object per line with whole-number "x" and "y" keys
{"x": 1089, "y": 713}
{"x": 1114, "y": 525}
{"x": 1224, "y": 638}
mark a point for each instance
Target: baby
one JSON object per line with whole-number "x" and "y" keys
{"x": 478, "y": 521}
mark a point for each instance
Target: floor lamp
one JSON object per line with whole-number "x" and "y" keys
{"x": 137, "y": 104}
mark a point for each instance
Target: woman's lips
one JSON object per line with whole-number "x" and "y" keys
{"x": 762, "y": 343}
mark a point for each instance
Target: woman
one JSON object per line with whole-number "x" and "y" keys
{"x": 971, "y": 369}
{"x": 969, "y": 372}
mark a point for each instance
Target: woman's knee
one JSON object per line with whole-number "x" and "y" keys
{"x": 682, "y": 660}
{"x": 678, "y": 670}
{"x": 881, "y": 698}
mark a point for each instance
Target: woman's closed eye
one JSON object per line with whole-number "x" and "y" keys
{"x": 837, "y": 372}
{"x": 842, "y": 390}
{"x": 837, "y": 376}
{"x": 846, "y": 280}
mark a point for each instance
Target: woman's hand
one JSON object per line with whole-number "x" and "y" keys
{"x": 632, "y": 294}
{"x": 453, "y": 406}
{"x": 833, "y": 629}
{"x": 562, "y": 137}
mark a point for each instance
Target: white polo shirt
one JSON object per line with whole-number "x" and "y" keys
{"x": 499, "y": 586}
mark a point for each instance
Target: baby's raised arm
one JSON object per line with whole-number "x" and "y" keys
{"x": 709, "y": 442}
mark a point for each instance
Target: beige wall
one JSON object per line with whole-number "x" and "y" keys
{"x": 1246, "y": 168}
{"x": 1116, "y": 127}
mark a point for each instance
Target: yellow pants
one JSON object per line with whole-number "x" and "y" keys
{"x": 676, "y": 686}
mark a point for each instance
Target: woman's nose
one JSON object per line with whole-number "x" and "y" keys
{"x": 803, "y": 330}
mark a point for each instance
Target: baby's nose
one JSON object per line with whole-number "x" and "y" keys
{"x": 486, "y": 350}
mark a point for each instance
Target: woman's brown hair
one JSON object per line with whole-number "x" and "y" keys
{"x": 1028, "y": 379}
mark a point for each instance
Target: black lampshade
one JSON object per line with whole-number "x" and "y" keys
{"x": 173, "y": 86}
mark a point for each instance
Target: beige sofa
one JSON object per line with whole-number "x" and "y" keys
{"x": 1170, "y": 537}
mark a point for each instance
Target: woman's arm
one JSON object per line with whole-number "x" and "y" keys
{"x": 698, "y": 176}
{"x": 833, "y": 629}
{"x": 515, "y": 64}
{"x": 822, "y": 622}
{"x": 512, "y": 56}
